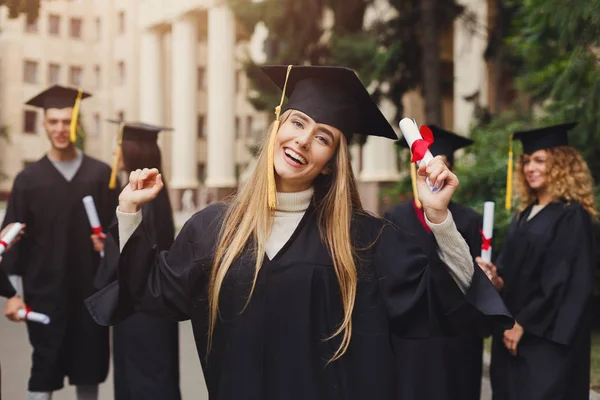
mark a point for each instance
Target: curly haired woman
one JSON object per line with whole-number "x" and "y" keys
{"x": 545, "y": 274}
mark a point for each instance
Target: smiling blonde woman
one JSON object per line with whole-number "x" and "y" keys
{"x": 293, "y": 290}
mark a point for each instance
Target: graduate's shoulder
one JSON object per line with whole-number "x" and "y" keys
{"x": 96, "y": 164}
{"x": 209, "y": 218}
{"x": 462, "y": 212}
{"x": 574, "y": 212}
{"x": 399, "y": 211}
{"x": 31, "y": 171}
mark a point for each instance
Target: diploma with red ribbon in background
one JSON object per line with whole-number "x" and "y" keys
{"x": 92, "y": 214}
{"x": 11, "y": 235}
{"x": 33, "y": 316}
{"x": 419, "y": 141}
{"x": 487, "y": 231}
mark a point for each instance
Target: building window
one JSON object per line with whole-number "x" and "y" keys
{"x": 201, "y": 77}
{"x": 237, "y": 127}
{"x": 31, "y": 27}
{"x": 30, "y": 72}
{"x": 76, "y": 28}
{"x": 75, "y": 76}
{"x": 121, "y": 72}
{"x": 30, "y": 122}
{"x": 97, "y": 126}
{"x": 121, "y": 115}
{"x": 201, "y": 172}
{"x": 53, "y": 74}
{"x": 98, "y": 24}
{"x": 97, "y": 76}
{"x": 121, "y": 19}
{"x": 200, "y": 126}
{"x": 54, "y": 25}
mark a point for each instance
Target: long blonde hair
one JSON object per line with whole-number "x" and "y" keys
{"x": 248, "y": 220}
{"x": 567, "y": 178}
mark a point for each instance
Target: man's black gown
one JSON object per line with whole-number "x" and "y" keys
{"x": 57, "y": 261}
{"x": 277, "y": 347}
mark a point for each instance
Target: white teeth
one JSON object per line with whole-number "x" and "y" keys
{"x": 295, "y": 156}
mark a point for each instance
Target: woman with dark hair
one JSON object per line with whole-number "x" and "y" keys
{"x": 546, "y": 274}
{"x": 293, "y": 289}
{"x": 146, "y": 348}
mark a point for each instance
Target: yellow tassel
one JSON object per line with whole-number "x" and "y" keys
{"x": 509, "y": 176}
{"x": 272, "y": 187}
{"x": 413, "y": 178}
{"x": 74, "y": 117}
{"x": 112, "y": 184}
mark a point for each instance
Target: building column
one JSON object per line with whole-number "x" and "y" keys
{"x": 470, "y": 69}
{"x": 221, "y": 107}
{"x": 184, "y": 105}
{"x": 151, "y": 78}
{"x": 379, "y": 167}
{"x": 355, "y": 155}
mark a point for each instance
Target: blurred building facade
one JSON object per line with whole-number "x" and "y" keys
{"x": 178, "y": 63}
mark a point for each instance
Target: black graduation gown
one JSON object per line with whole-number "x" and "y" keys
{"x": 145, "y": 347}
{"x": 57, "y": 261}
{"x": 439, "y": 367}
{"x": 6, "y": 288}
{"x": 548, "y": 269}
{"x": 277, "y": 348}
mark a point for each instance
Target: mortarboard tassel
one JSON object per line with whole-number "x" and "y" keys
{"x": 112, "y": 184}
{"x": 74, "y": 117}
{"x": 272, "y": 194}
{"x": 509, "y": 176}
{"x": 413, "y": 178}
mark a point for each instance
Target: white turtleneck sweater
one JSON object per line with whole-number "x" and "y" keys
{"x": 453, "y": 249}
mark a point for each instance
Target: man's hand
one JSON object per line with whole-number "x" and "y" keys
{"x": 512, "y": 338}
{"x": 491, "y": 271}
{"x": 13, "y": 305}
{"x": 98, "y": 241}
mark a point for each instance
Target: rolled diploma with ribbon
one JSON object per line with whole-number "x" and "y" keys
{"x": 33, "y": 316}
{"x": 411, "y": 135}
{"x": 92, "y": 214}
{"x": 7, "y": 239}
{"x": 487, "y": 231}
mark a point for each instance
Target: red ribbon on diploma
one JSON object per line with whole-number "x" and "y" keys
{"x": 97, "y": 230}
{"x": 486, "y": 243}
{"x": 3, "y": 244}
{"x": 27, "y": 311}
{"x": 420, "y": 146}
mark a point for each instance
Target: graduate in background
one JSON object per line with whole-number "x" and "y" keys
{"x": 55, "y": 258}
{"x": 145, "y": 348}
{"x": 440, "y": 368}
{"x": 546, "y": 274}
{"x": 293, "y": 290}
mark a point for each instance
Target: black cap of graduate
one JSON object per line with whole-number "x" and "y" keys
{"x": 135, "y": 131}
{"x": 544, "y": 138}
{"x": 61, "y": 97}
{"x": 445, "y": 143}
{"x": 57, "y": 97}
{"x": 333, "y": 96}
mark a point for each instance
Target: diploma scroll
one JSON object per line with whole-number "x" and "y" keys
{"x": 92, "y": 214}
{"x": 487, "y": 231}
{"x": 33, "y": 316}
{"x": 420, "y": 153}
{"x": 11, "y": 235}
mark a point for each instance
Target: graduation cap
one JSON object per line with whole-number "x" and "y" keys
{"x": 135, "y": 131}
{"x": 533, "y": 140}
{"x": 544, "y": 138}
{"x": 445, "y": 143}
{"x": 61, "y": 97}
{"x": 329, "y": 95}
